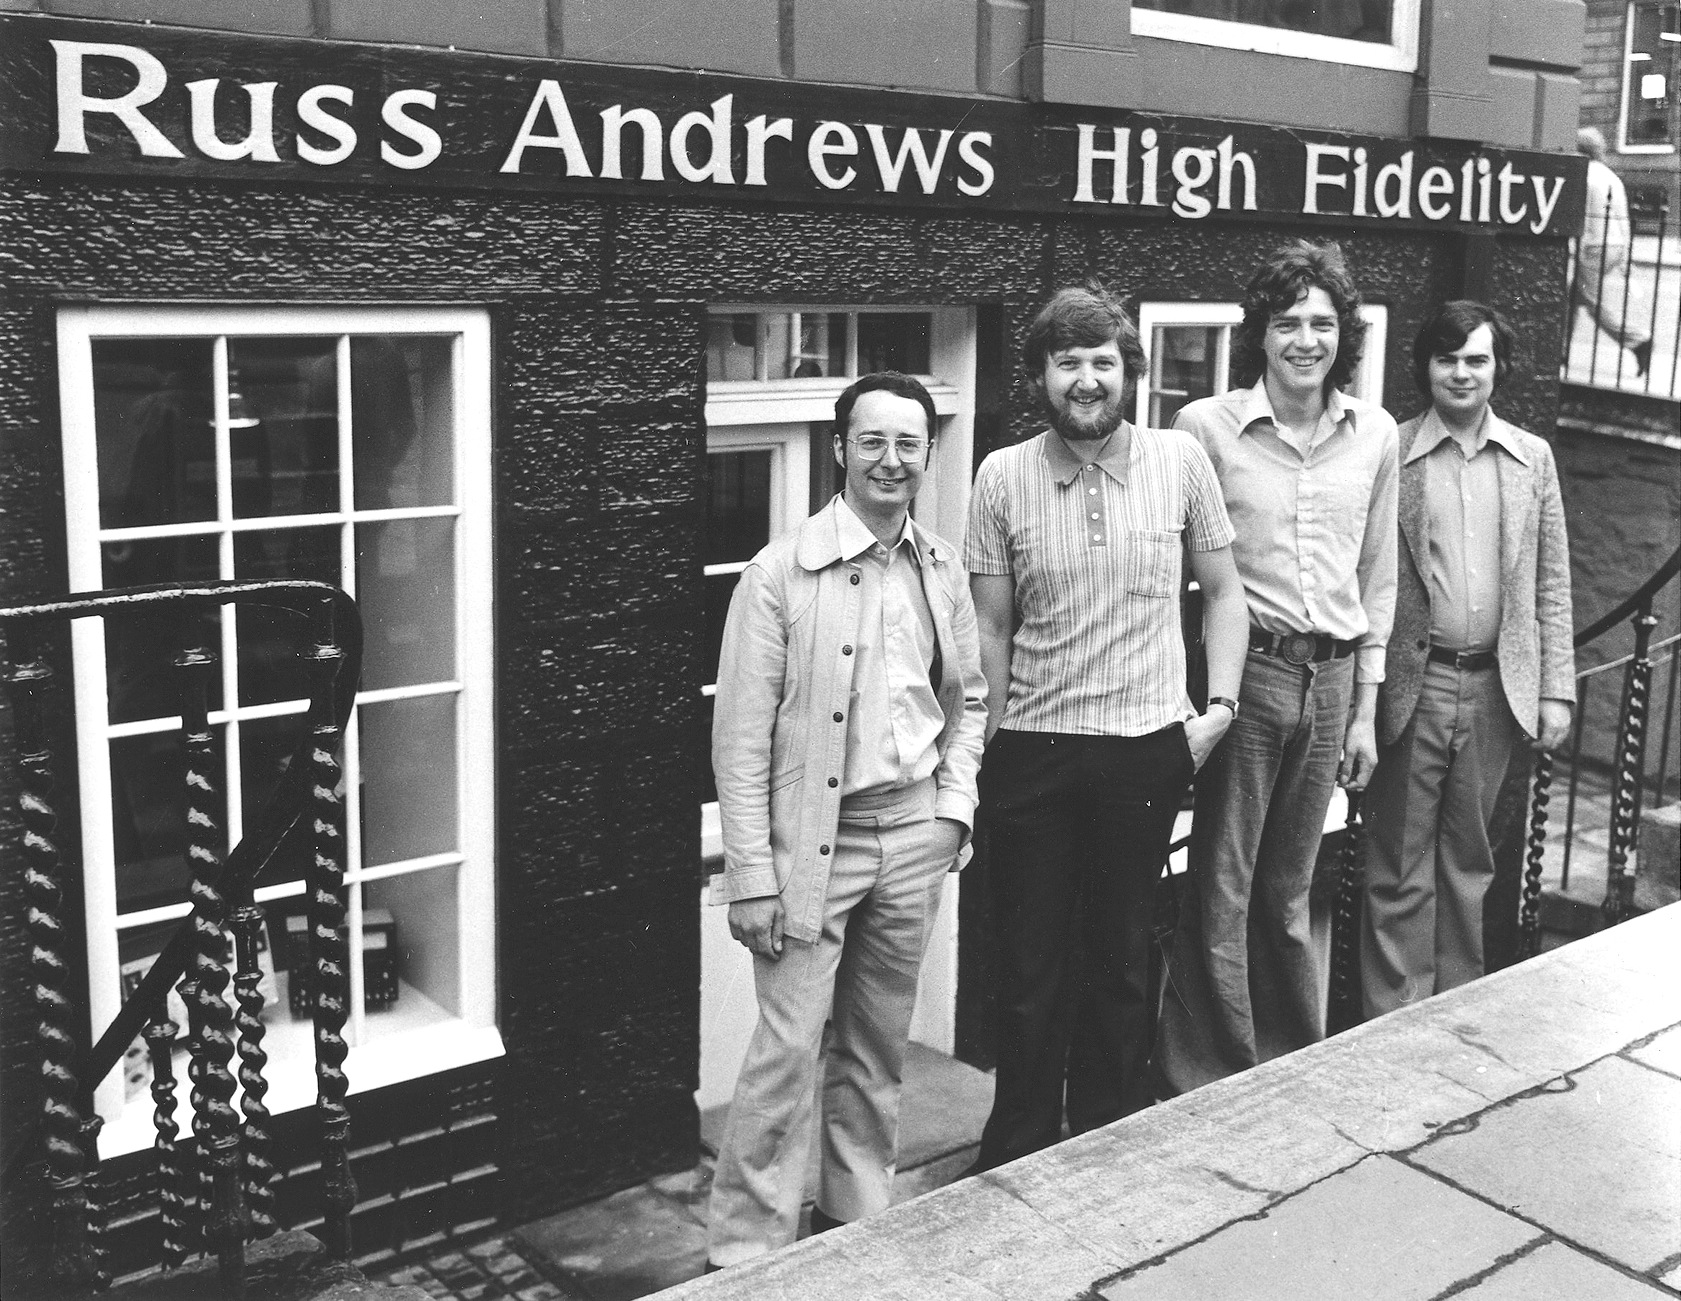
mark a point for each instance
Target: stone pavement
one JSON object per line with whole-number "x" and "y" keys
{"x": 1519, "y": 1137}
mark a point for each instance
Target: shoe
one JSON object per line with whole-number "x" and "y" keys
{"x": 711, "y": 1268}
{"x": 822, "y": 1222}
{"x": 1642, "y": 354}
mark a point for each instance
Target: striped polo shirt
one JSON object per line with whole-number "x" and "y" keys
{"x": 1094, "y": 548}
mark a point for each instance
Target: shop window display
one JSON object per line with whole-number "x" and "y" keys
{"x": 349, "y": 447}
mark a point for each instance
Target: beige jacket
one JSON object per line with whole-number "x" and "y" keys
{"x": 1536, "y": 656}
{"x": 778, "y": 727}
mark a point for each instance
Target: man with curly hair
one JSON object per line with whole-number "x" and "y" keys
{"x": 1309, "y": 477}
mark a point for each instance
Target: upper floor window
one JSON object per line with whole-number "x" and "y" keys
{"x": 348, "y": 445}
{"x": 1651, "y": 107}
{"x": 1368, "y": 33}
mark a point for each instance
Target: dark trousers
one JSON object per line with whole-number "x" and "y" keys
{"x": 1078, "y": 830}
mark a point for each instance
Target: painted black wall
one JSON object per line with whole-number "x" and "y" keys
{"x": 599, "y": 448}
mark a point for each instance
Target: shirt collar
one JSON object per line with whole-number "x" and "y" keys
{"x": 1432, "y": 433}
{"x": 1066, "y": 462}
{"x": 853, "y": 537}
{"x": 1258, "y": 406}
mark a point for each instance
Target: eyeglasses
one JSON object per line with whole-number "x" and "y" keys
{"x": 872, "y": 447}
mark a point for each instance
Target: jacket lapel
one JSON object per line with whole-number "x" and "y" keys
{"x": 1414, "y": 519}
{"x": 1515, "y": 503}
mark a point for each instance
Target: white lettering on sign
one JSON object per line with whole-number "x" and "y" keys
{"x": 74, "y": 103}
{"x": 259, "y": 140}
{"x": 313, "y": 115}
{"x": 1485, "y": 196}
{"x": 1193, "y": 166}
{"x": 549, "y": 99}
{"x": 395, "y": 116}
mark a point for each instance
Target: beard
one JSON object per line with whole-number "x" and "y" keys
{"x": 1076, "y": 428}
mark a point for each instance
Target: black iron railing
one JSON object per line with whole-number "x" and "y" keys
{"x": 1624, "y": 327}
{"x": 1630, "y": 775}
{"x": 215, "y": 1195}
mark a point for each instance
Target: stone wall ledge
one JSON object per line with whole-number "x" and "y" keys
{"x": 1075, "y": 1218}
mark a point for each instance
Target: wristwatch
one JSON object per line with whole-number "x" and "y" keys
{"x": 1227, "y": 701}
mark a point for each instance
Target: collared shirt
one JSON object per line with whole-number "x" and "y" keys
{"x": 1315, "y": 514}
{"x": 1462, "y": 506}
{"x": 894, "y": 719}
{"x": 1093, "y": 546}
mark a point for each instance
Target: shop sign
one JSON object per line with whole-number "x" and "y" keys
{"x": 110, "y": 99}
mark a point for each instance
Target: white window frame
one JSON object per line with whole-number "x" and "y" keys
{"x": 1368, "y": 376}
{"x": 1630, "y": 59}
{"x": 1399, "y": 55}
{"x": 386, "y": 1058}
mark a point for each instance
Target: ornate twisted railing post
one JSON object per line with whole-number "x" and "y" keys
{"x": 1631, "y": 756}
{"x": 329, "y": 947}
{"x": 1345, "y": 1002}
{"x": 172, "y": 1203}
{"x": 215, "y": 1123}
{"x": 1530, "y": 913}
{"x": 254, "y": 1137}
{"x": 71, "y": 1152}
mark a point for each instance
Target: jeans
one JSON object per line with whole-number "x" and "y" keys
{"x": 1243, "y": 980}
{"x": 1078, "y": 831}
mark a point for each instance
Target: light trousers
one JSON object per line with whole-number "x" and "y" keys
{"x": 883, "y": 896}
{"x": 1428, "y": 860}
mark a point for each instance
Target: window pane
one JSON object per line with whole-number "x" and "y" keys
{"x": 411, "y": 930}
{"x": 732, "y": 347}
{"x": 265, "y": 751}
{"x": 271, "y": 642}
{"x": 737, "y": 505}
{"x": 283, "y": 430}
{"x": 894, "y": 341}
{"x": 140, "y": 649}
{"x": 1183, "y": 364}
{"x": 408, "y": 779}
{"x": 148, "y": 784}
{"x": 405, "y": 584}
{"x": 1652, "y": 92}
{"x": 1355, "y": 20}
{"x": 402, "y": 404}
{"x": 153, "y": 425}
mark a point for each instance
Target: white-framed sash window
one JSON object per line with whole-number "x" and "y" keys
{"x": 345, "y": 444}
{"x": 1189, "y": 347}
{"x": 1363, "y": 33}
{"x": 1649, "y": 116}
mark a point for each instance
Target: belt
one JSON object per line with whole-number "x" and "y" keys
{"x": 1463, "y": 659}
{"x": 1299, "y": 647}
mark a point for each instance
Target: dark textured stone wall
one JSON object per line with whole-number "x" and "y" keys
{"x": 599, "y": 448}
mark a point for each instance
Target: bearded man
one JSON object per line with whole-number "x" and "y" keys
{"x": 1074, "y": 555}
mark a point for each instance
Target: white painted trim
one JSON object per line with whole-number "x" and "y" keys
{"x": 1400, "y": 55}
{"x": 744, "y": 402}
{"x": 472, "y": 1035}
{"x": 1627, "y": 79}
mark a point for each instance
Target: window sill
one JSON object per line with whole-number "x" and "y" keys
{"x": 749, "y": 403}
{"x": 414, "y": 1038}
{"x": 1271, "y": 40}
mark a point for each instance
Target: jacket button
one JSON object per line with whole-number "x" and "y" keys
{"x": 840, "y": 718}
{"x": 855, "y": 580}
{"x": 824, "y": 850}
{"x": 846, "y": 650}
{"x": 1423, "y": 645}
{"x": 834, "y": 781}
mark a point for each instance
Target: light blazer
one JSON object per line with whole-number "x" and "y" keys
{"x": 1536, "y": 657}
{"x": 784, "y": 686}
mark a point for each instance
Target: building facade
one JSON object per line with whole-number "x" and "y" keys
{"x": 524, "y": 326}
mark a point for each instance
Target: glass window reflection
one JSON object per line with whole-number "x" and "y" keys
{"x": 154, "y": 423}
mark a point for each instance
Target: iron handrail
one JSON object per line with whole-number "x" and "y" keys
{"x": 1641, "y": 595}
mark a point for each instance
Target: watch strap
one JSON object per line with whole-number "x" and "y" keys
{"x": 1227, "y": 701}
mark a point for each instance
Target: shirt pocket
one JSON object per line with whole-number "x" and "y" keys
{"x": 1152, "y": 562}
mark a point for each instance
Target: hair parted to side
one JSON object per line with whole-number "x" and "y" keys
{"x": 1294, "y": 268}
{"x": 883, "y": 381}
{"x": 1447, "y": 331}
{"x": 1082, "y": 316}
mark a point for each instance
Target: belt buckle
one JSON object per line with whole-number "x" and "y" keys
{"x": 1297, "y": 648}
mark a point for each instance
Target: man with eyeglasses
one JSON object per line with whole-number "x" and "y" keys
{"x": 845, "y": 743}
{"x": 1074, "y": 542}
